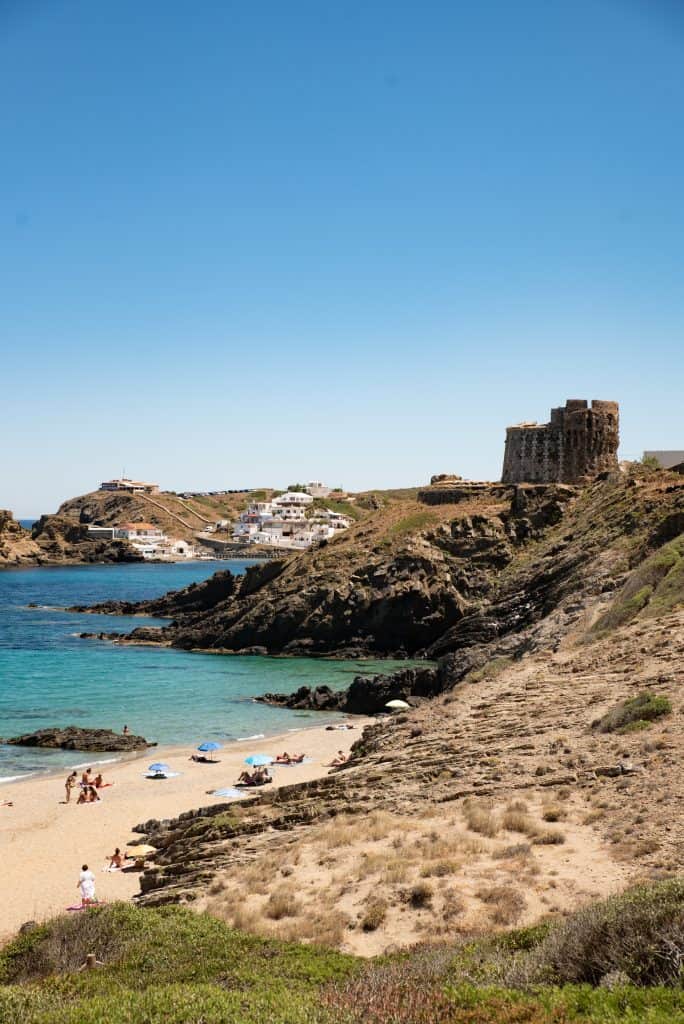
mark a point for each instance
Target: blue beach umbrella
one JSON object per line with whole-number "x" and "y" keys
{"x": 259, "y": 759}
{"x": 159, "y": 767}
{"x": 209, "y": 745}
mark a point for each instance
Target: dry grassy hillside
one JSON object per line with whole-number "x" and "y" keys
{"x": 178, "y": 517}
{"x": 498, "y": 803}
{"x": 548, "y": 771}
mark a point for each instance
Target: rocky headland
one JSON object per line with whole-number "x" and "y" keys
{"x": 457, "y": 575}
{"x": 56, "y": 540}
{"x": 63, "y": 538}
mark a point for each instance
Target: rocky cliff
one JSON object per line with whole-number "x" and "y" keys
{"x": 505, "y": 568}
{"x": 56, "y": 540}
{"x": 17, "y": 547}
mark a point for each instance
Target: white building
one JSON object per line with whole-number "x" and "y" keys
{"x": 288, "y": 521}
{"x": 124, "y": 484}
{"x": 148, "y": 540}
{"x": 317, "y": 489}
{"x": 293, "y": 499}
{"x": 140, "y": 532}
{"x": 101, "y": 532}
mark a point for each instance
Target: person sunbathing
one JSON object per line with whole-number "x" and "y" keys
{"x": 92, "y": 796}
{"x": 286, "y": 758}
{"x": 340, "y": 758}
{"x": 259, "y": 777}
{"x": 6, "y": 803}
{"x": 116, "y": 860}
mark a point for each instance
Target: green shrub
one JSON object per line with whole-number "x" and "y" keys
{"x": 633, "y": 714}
{"x": 639, "y": 933}
{"x": 654, "y": 587}
{"x": 420, "y": 895}
{"x": 413, "y": 523}
{"x": 375, "y": 914}
{"x": 489, "y": 671}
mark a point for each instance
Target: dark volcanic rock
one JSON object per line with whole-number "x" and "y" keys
{"x": 367, "y": 694}
{"x": 414, "y": 580}
{"x": 198, "y": 597}
{"x": 60, "y": 539}
{"x": 73, "y": 738}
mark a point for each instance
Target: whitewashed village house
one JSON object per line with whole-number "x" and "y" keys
{"x": 147, "y": 539}
{"x": 288, "y": 521}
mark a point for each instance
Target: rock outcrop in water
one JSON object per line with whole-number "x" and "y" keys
{"x": 92, "y": 741}
{"x": 367, "y": 694}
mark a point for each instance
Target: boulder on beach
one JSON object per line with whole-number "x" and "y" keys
{"x": 73, "y": 738}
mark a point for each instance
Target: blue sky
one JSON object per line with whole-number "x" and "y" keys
{"x": 252, "y": 243}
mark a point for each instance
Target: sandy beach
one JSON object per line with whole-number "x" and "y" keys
{"x": 44, "y": 842}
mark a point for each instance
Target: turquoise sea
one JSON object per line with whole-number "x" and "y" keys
{"x": 49, "y": 676}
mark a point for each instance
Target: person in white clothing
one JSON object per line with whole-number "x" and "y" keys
{"x": 86, "y": 883}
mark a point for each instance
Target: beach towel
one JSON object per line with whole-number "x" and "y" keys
{"x": 293, "y": 764}
{"x": 230, "y": 791}
{"x": 160, "y": 778}
{"x": 79, "y": 906}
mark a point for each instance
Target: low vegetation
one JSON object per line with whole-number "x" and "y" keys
{"x": 653, "y": 588}
{"x": 165, "y": 965}
{"x": 413, "y": 523}
{"x": 491, "y": 670}
{"x": 634, "y": 714}
{"x": 614, "y": 961}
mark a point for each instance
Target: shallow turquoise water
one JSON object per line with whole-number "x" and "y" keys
{"x": 48, "y": 676}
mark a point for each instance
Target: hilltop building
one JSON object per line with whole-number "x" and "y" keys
{"x": 132, "y": 486}
{"x": 317, "y": 489}
{"x": 580, "y": 441}
{"x": 668, "y": 459}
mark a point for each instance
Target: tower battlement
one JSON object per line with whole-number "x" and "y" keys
{"x": 580, "y": 440}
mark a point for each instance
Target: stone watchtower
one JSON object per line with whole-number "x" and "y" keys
{"x": 580, "y": 441}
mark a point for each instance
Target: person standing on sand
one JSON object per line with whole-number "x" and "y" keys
{"x": 69, "y": 785}
{"x": 86, "y": 883}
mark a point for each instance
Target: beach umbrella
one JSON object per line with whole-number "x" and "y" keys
{"x": 208, "y": 746}
{"x": 158, "y": 766}
{"x": 397, "y": 705}
{"x": 259, "y": 759}
{"x": 140, "y": 851}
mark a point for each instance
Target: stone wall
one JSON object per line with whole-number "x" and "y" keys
{"x": 580, "y": 441}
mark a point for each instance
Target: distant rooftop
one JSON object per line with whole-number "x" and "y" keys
{"x": 123, "y": 483}
{"x": 666, "y": 459}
